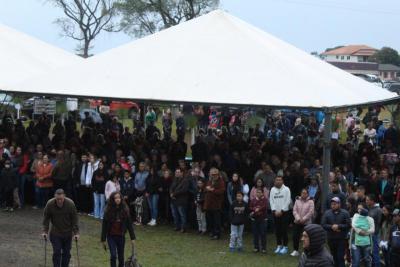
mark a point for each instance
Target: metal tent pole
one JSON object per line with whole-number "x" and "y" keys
{"x": 326, "y": 162}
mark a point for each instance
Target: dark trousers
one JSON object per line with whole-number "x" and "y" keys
{"x": 116, "y": 244}
{"x": 215, "y": 222}
{"x": 394, "y": 259}
{"x": 281, "y": 229}
{"x": 85, "y": 199}
{"x": 61, "y": 250}
{"x": 337, "y": 248}
{"x": 259, "y": 229}
{"x": 298, "y": 230}
{"x": 9, "y": 198}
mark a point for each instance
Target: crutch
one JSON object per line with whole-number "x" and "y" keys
{"x": 45, "y": 251}
{"x": 77, "y": 251}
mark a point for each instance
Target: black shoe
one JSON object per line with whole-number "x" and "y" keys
{"x": 199, "y": 232}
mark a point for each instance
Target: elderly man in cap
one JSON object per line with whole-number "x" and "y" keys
{"x": 315, "y": 253}
{"x": 336, "y": 222}
{"x": 62, "y": 214}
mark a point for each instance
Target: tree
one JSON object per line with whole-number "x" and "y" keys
{"x": 386, "y": 55}
{"x": 142, "y": 17}
{"x": 85, "y": 20}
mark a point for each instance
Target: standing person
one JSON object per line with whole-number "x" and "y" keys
{"x": 386, "y": 188}
{"x": 179, "y": 192}
{"x": 8, "y": 182}
{"x": 140, "y": 179}
{"x": 112, "y": 186}
{"x": 213, "y": 202}
{"x": 62, "y": 214}
{"x": 394, "y": 240}
{"x": 335, "y": 192}
{"x": 62, "y": 172}
{"x": 153, "y": 190}
{"x": 199, "y": 201}
{"x": 336, "y": 222}
{"x": 315, "y": 253}
{"x": 280, "y": 200}
{"x": 386, "y": 226}
{"x": 376, "y": 213}
{"x": 238, "y": 216}
{"x": 360, "y": 239}
{"x": 258, "y": 216}
{"x": 127, "y": 189}
{"x": 98, "y": 186}
{"x": 115, "y": 224}
{"x": 303, "y": 212}
{"x": 84, "y": 197}
{"x": 44, "y": 181}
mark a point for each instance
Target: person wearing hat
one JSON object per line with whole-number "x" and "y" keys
{"x": 336, "y": 222}
{"x": 394, "y": 240}
{"x": 363, "y": 227}
{"x": 62, "y": 214}
{"x": 315, "y": 253}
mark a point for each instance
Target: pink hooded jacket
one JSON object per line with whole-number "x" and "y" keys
{"x": 303, "y": 211}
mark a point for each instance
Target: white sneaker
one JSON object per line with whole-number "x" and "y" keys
{"x": 152, "y": 223}
{"x": 295, "y": 253}
{"x": 278, "y": 248}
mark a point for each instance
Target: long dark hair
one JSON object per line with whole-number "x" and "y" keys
{"x": 113, "y": 212}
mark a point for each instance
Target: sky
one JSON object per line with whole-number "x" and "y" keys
{"x": 311, "y": 25}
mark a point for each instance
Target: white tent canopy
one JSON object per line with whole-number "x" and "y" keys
{"x": 217, "y": 59}
{"x": 22, "y": 56}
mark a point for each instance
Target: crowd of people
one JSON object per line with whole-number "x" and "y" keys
{"x": 263, "y": 178}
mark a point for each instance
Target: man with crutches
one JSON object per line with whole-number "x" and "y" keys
{"x": 62, "y": 214}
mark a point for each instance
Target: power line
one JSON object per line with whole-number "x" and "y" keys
{"x": 347, "y": 8}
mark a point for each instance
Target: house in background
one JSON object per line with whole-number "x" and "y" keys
{"x": 353, "y": 59}
{"x": 349, "y": 53}
{"x": 389, "y": 72}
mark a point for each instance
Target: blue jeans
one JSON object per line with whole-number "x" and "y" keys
{"x": 99, "y": 202}
{"x": 179, "y": 215}
{"x": 236, "y": 236}
{"x": 116, "y": 244}
{"x": 259, "y": 229}
{"x": 153, "y": 204}
{"x": 41, "y": 196}
{"x": 376, "y": 260}
{"x": 359, "y": 254}
{"x": 61, "y": 250}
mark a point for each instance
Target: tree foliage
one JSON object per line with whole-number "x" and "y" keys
{"x": 143, "y": 17}
{"x": 386, "y": 55}
{"x": 85, "y": 19}
{"x": 333, "y": 48}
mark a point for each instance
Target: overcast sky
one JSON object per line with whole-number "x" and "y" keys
{"x": 311, "y": 25}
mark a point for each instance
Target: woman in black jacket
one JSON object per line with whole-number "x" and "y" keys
{"x": 153, "y": 189}
{"x": 99, "y": 179}
{"x": 115, "y": 224}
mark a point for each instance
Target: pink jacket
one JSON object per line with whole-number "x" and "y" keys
{"x": 303, "y": 211}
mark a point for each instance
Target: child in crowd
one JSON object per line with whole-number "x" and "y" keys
{"x": 199, "y": 201}
{"x": 238, "y": 216}
{"x": 258, "y": 208}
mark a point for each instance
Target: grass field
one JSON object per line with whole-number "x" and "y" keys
{"x": 21, "y": 246}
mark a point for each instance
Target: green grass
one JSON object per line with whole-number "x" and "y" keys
{"x": 161, "y": 246}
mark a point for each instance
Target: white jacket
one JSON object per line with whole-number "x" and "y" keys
{"x": 280, "y": 199}
{"x": 90, "y": 170}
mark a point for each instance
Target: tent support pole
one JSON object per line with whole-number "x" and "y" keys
{"x": 326, "y": 162}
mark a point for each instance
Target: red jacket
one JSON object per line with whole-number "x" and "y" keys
{"x": 261, "y": 205}
{"x": 214, "y": 200}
